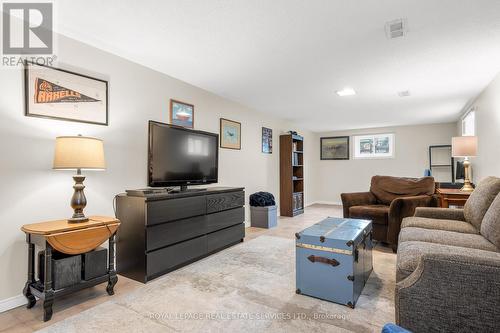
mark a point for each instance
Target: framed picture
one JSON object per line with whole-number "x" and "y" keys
{"x": 374, "y": 146}
{"x": 230, "y": 134}
{"x": 63, "y": 95}
{"x": 335, "y": 148}
{"x": 181, "y": 114}
{"x": 267, "y": 140}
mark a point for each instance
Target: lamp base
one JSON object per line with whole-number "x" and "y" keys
{"x": 78, "y": 201}
{"x": 467, "y": 184}
{"x": 78, "y": 219}
{"x": 467, "y": 187}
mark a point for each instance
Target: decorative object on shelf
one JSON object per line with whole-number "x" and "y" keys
{"x": 59, "y": 94}
{"x": 60, "y": 265}
{"x": 230, "y": 134}
{"x": 181, "y": 114}
{"x": 77, "y": 153}
{"x": 267, "y": 140}
{"x": 466, "y": 147}
{"x": 335, "y": 148}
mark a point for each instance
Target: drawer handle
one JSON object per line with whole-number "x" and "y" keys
{"x": 323, "y": 260}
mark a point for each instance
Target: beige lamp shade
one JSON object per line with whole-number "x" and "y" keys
{"x": 79, "y": 152}
{"x": 464, "y": 146}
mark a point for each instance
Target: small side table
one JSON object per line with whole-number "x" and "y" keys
{"x": 451, "y": 196}
{"x": 69, "y": 238}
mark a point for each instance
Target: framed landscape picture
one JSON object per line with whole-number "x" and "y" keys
{"x": 181, "y": 114}
{"x": 230, "y": 134}
{"x": 63, "y": 95}
{"x": 267, "y": 140}
{"x": 335, "y": 148}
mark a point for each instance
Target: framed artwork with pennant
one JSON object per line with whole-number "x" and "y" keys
{"x": 63, "y": 95}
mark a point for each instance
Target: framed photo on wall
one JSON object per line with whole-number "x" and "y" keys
{"x": 230, "y": 134}
{"x": 267, "y": 140}
{"x": 63, "y": 95}
{"x": 181, "y": 114}
{"x": 374, "y": 146}
{"x": 335, "y": 148}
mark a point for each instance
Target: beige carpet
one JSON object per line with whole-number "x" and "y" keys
{"x": 247, "y": 288}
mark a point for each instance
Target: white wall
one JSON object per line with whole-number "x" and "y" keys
{"x": 331, "y": 178}
{"x": 32, "y": 192}
{"x": 487, "y": 107}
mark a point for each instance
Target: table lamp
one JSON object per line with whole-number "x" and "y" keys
{"x": 465, "y": 146}
{"x": 77, "y": 153}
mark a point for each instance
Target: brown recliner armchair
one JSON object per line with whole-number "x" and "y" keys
{"x": 389, "y": 201}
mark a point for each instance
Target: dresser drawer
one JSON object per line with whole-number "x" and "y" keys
{"x": 225, "y": 201}
{"x": 175, "y": 209}
{"x": 223, "y": 238}
{"x": 162, "y": 260}
{"x": 225, "y": 219}
{"x": 164, "y": 234}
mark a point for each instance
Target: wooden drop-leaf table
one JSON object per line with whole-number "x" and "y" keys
{"x": 72, "y": 239}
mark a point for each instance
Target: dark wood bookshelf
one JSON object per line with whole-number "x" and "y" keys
{"x": 291, "y": 175}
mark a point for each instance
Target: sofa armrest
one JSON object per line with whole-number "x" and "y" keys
{"x": 356, "y": 199}
{"x": 401, "y": 208}
{"x": 451, "y": 293}
{"x": 441, "y": 213}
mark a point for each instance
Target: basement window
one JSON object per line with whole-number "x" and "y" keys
{"x": 469, "y": 124}
{"x": 374, "y": 146}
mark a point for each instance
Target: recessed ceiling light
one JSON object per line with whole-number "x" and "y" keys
{"x": 404, "y": 93}
{"x": 346, "y": 92}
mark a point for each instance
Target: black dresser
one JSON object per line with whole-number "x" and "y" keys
{"x": 161, "y": 233}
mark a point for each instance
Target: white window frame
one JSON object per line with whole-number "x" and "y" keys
{"x": 469, "y": 123}
{"x": 374, "y": 155}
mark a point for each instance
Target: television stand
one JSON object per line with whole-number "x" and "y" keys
{"x": 161, "y": 233}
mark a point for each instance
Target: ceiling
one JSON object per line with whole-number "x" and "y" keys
{"x": 288, "y": 57}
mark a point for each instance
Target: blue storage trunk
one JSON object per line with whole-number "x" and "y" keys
{"x": 334, "y": 259}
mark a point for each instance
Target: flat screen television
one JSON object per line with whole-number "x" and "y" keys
{"x": 179, "y": 157}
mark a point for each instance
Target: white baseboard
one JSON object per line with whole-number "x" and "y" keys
{"x": 336, "y": 203}
{"x": 13, "y": 302}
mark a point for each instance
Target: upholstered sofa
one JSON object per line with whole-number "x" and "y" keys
{"x": 389, "y": 200}
{"x": 448, "y": 266}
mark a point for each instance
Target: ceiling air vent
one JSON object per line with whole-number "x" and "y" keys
{"x": 396, "y": 28}
{"x": 404, "y": 93}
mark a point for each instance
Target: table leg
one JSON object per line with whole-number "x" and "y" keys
{"x": 445, "y": 203}
{"x": 48, "y": 292}
{"x": 113, "y": 278}
{"x": 31, "y": 273}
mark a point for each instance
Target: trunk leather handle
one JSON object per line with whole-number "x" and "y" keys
{"x": 323, "y": 260}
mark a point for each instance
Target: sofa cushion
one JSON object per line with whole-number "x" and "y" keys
{"x": 386, "y": 188}
{"x": 472, "y": 241}
{"x": 449, "y": 225}
{"x": 409, "y": 254}
{"x": 480, "y": 200}
{"x": 379, "y": 214}
{"x": 490, "y": 227}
